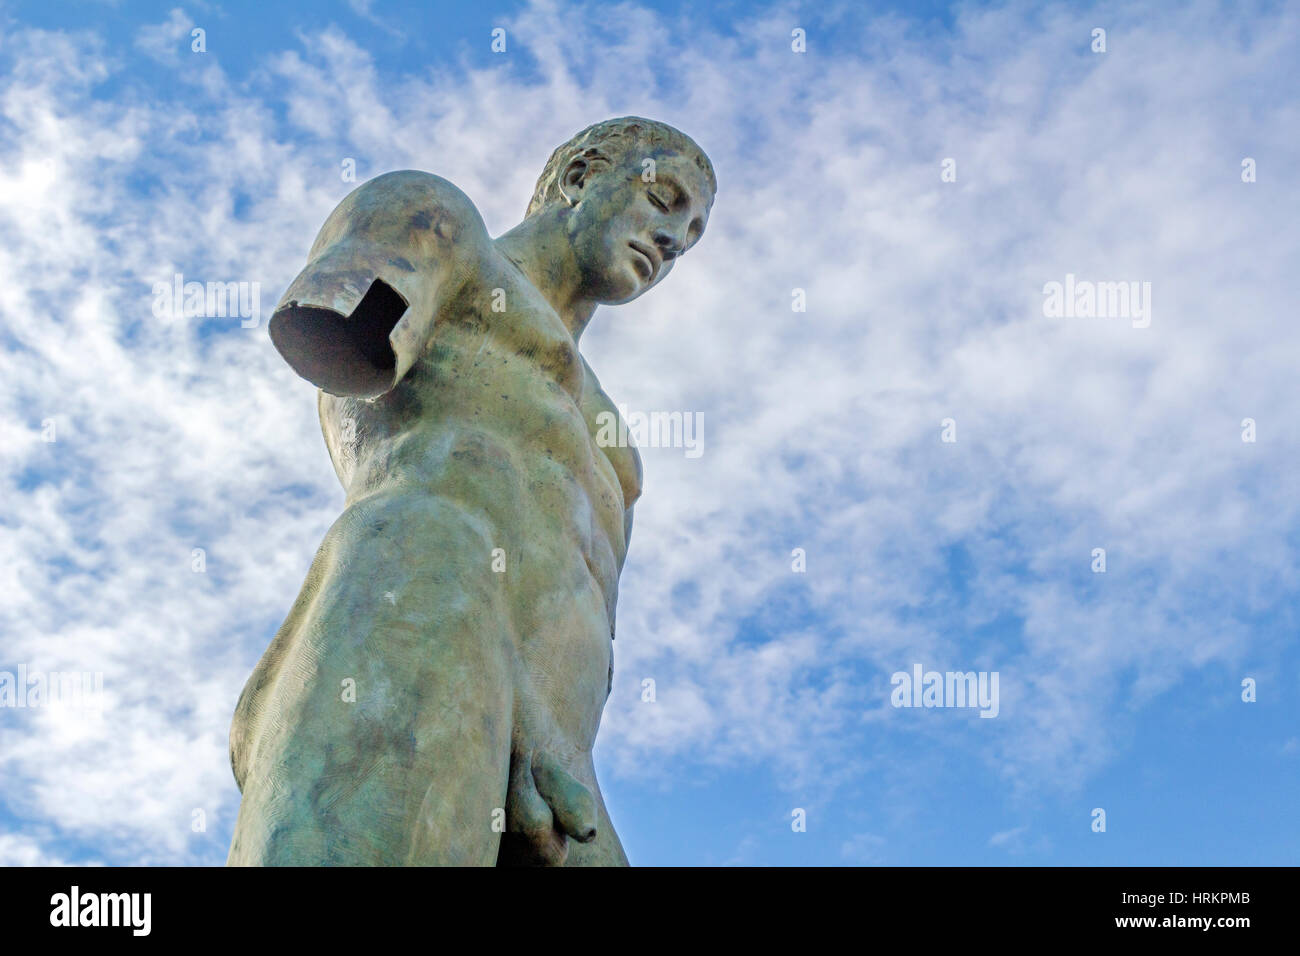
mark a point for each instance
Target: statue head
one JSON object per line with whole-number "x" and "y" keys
{"x": 632, "y": 196}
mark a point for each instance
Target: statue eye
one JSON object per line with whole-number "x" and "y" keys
{"x": 659, "y": 203}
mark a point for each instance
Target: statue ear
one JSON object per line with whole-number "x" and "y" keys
{"x": 574, "y": 179}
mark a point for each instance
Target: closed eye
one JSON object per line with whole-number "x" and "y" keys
{"x": 659, "y": 203}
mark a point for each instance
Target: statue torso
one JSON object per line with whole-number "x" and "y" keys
{"x": 499, "y": 415}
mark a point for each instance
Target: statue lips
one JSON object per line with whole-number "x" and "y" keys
{"x": 652, "y": 260}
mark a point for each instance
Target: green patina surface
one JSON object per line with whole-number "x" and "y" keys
{"x": 434, "y": 694}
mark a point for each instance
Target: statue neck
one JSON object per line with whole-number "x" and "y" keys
{"x": 541, "y": 250}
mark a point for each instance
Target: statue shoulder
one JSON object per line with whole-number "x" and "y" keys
{"x": 408, "y": 205}
{"x": 389, "y": 258}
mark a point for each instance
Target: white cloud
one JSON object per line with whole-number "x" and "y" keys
{"x": 1008, "y": 838}
{"x": 864, "y": 849}
{"x": 19, "y": 850}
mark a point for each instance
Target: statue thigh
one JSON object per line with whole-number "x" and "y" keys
{"x": 378, "y": 728}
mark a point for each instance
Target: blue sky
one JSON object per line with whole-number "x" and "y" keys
{"x": 126, "y": 158}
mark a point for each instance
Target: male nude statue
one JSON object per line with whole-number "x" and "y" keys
{"x": 434, "y": 694}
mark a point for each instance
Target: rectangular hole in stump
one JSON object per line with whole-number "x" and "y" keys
{"x": 372, "y": 320}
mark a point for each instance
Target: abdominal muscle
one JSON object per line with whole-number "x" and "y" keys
{"x": 513, "y": 452}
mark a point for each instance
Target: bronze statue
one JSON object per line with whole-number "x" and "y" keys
{"x": 434, "y": 694}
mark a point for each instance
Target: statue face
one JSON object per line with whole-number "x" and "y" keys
{"x": 628, "y": 232}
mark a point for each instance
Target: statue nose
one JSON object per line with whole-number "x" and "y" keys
{"x": 670, "y": 247}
